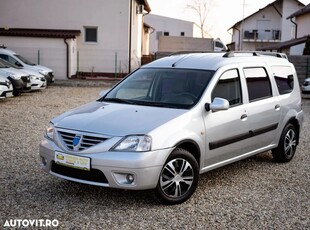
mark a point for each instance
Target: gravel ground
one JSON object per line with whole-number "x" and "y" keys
{"x": 252, "y": 194}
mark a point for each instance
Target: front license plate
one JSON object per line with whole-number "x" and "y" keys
{"x": 9, "y": 94}
{"x": 72, "y": 161}
{"x": 28, "y": 84}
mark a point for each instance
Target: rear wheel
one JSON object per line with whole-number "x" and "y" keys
{"x": 178, "y": 179}
{"x": 287, "y": 145}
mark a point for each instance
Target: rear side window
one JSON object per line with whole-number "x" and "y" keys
{"x": 258, "y": 83}
{"x": 284, "y": 78}
{"x": 229, "y": 87}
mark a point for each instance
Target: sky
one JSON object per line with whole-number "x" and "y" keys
{"x": 222, "y": 15}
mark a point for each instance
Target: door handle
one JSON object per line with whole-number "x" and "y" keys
{"x": 277, "y": 107}
{"x": 243, "y": 117}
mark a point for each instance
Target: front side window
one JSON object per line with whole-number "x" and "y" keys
{"x": 91, "y": 34}
{"x": 10, "y": 60}
{"x": 174, "y": 88}
{"x": 284, "y": 78}
{"x": 258, "y": 83}
{"x": 229, "y": 87}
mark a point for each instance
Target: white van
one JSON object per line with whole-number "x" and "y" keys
{"x": 17, "y": 59}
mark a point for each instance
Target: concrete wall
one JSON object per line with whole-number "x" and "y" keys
{"x": 165, "y": 24}
{"x": 175, "y": 44}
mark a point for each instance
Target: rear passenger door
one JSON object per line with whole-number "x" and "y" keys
{"x": 263, "y": 110}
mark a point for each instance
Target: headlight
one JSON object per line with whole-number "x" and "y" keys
{"x": 35, "y": 77}
{"x": 50, "y": 131}
{"x": 136, "y": 143}
{"x": 44, "y": 72}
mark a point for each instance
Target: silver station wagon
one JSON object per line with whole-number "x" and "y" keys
{"x": 176, "y": 118}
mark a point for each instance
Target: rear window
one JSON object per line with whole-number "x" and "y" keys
{"x": 284, "y": 78}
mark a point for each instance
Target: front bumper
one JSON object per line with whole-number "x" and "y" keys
{"x": 109, "y": 169}
{"x": 49, "y": 78}
{"x": 5, "y": 91}
{"x": 38, "y": 84}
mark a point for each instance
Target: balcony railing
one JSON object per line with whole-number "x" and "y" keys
{"x": 262, "y": 35}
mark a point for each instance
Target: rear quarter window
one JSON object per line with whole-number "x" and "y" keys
{"x": 284, "y": 77}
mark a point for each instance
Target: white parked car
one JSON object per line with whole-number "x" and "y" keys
{"x": 176, "y": 118}
{"x": 305, "y": 88}
{"x": 38, "y": 81}
{"x": 20, "y": 81}
{"x": 19, "y": 60}
{"x": 6, "y": 87}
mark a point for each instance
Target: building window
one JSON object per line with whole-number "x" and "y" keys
{"x": 91, "y": 34}
{"x": 182, "y": 34}
{"x": 166, "y": 33}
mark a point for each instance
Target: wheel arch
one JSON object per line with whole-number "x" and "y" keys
{"x": 295, "y": 123}
{"x": 192, "y": 147}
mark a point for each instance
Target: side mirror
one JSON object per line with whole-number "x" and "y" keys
{"x": 18, "y": 64}
{"x": 218, "y": 104}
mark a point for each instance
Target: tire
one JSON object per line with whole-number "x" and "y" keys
{"x": 287, "y": 145}
{"x": 16, "y": 92}
{"x": 178, "y": 179}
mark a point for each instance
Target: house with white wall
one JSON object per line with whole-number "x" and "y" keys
{"x": 301, "y": 30}
{"x": 73, "y": 36}
{"x": 165, "y": 26}
{"x": 268, "y": 26}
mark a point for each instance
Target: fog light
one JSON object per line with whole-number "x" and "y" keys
{"x": 130, "y": 178}
{"x": 124, "y": 178}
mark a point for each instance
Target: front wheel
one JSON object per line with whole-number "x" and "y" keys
{"x": 287, "y": 145}
{"x": 178, "y": 179}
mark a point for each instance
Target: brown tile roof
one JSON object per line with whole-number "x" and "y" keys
{"x": 45, "y": 33}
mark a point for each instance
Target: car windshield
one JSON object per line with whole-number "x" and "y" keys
{"x": 24, "y": 59}
{"x": 173, "y": 88}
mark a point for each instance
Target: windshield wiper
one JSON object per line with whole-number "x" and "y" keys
{"x": 118, "y": 100}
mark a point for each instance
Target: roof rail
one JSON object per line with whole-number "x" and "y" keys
{"x": 230, "y": 54}
{"x": 194, "y": 51}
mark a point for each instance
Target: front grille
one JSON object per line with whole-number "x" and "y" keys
{"x": 25, "y": 78}
{"x": 94, "y": 175}
{"x": 83, "y": 142}
{"x": 306, "y": 83}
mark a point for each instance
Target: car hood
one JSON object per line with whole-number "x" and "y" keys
{"x": 6, "y": 71}
{"x": 116, "y": 119}
{"x": 38, "y": 68}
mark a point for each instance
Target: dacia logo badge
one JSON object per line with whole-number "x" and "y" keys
{"x": 76, "y": 142}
